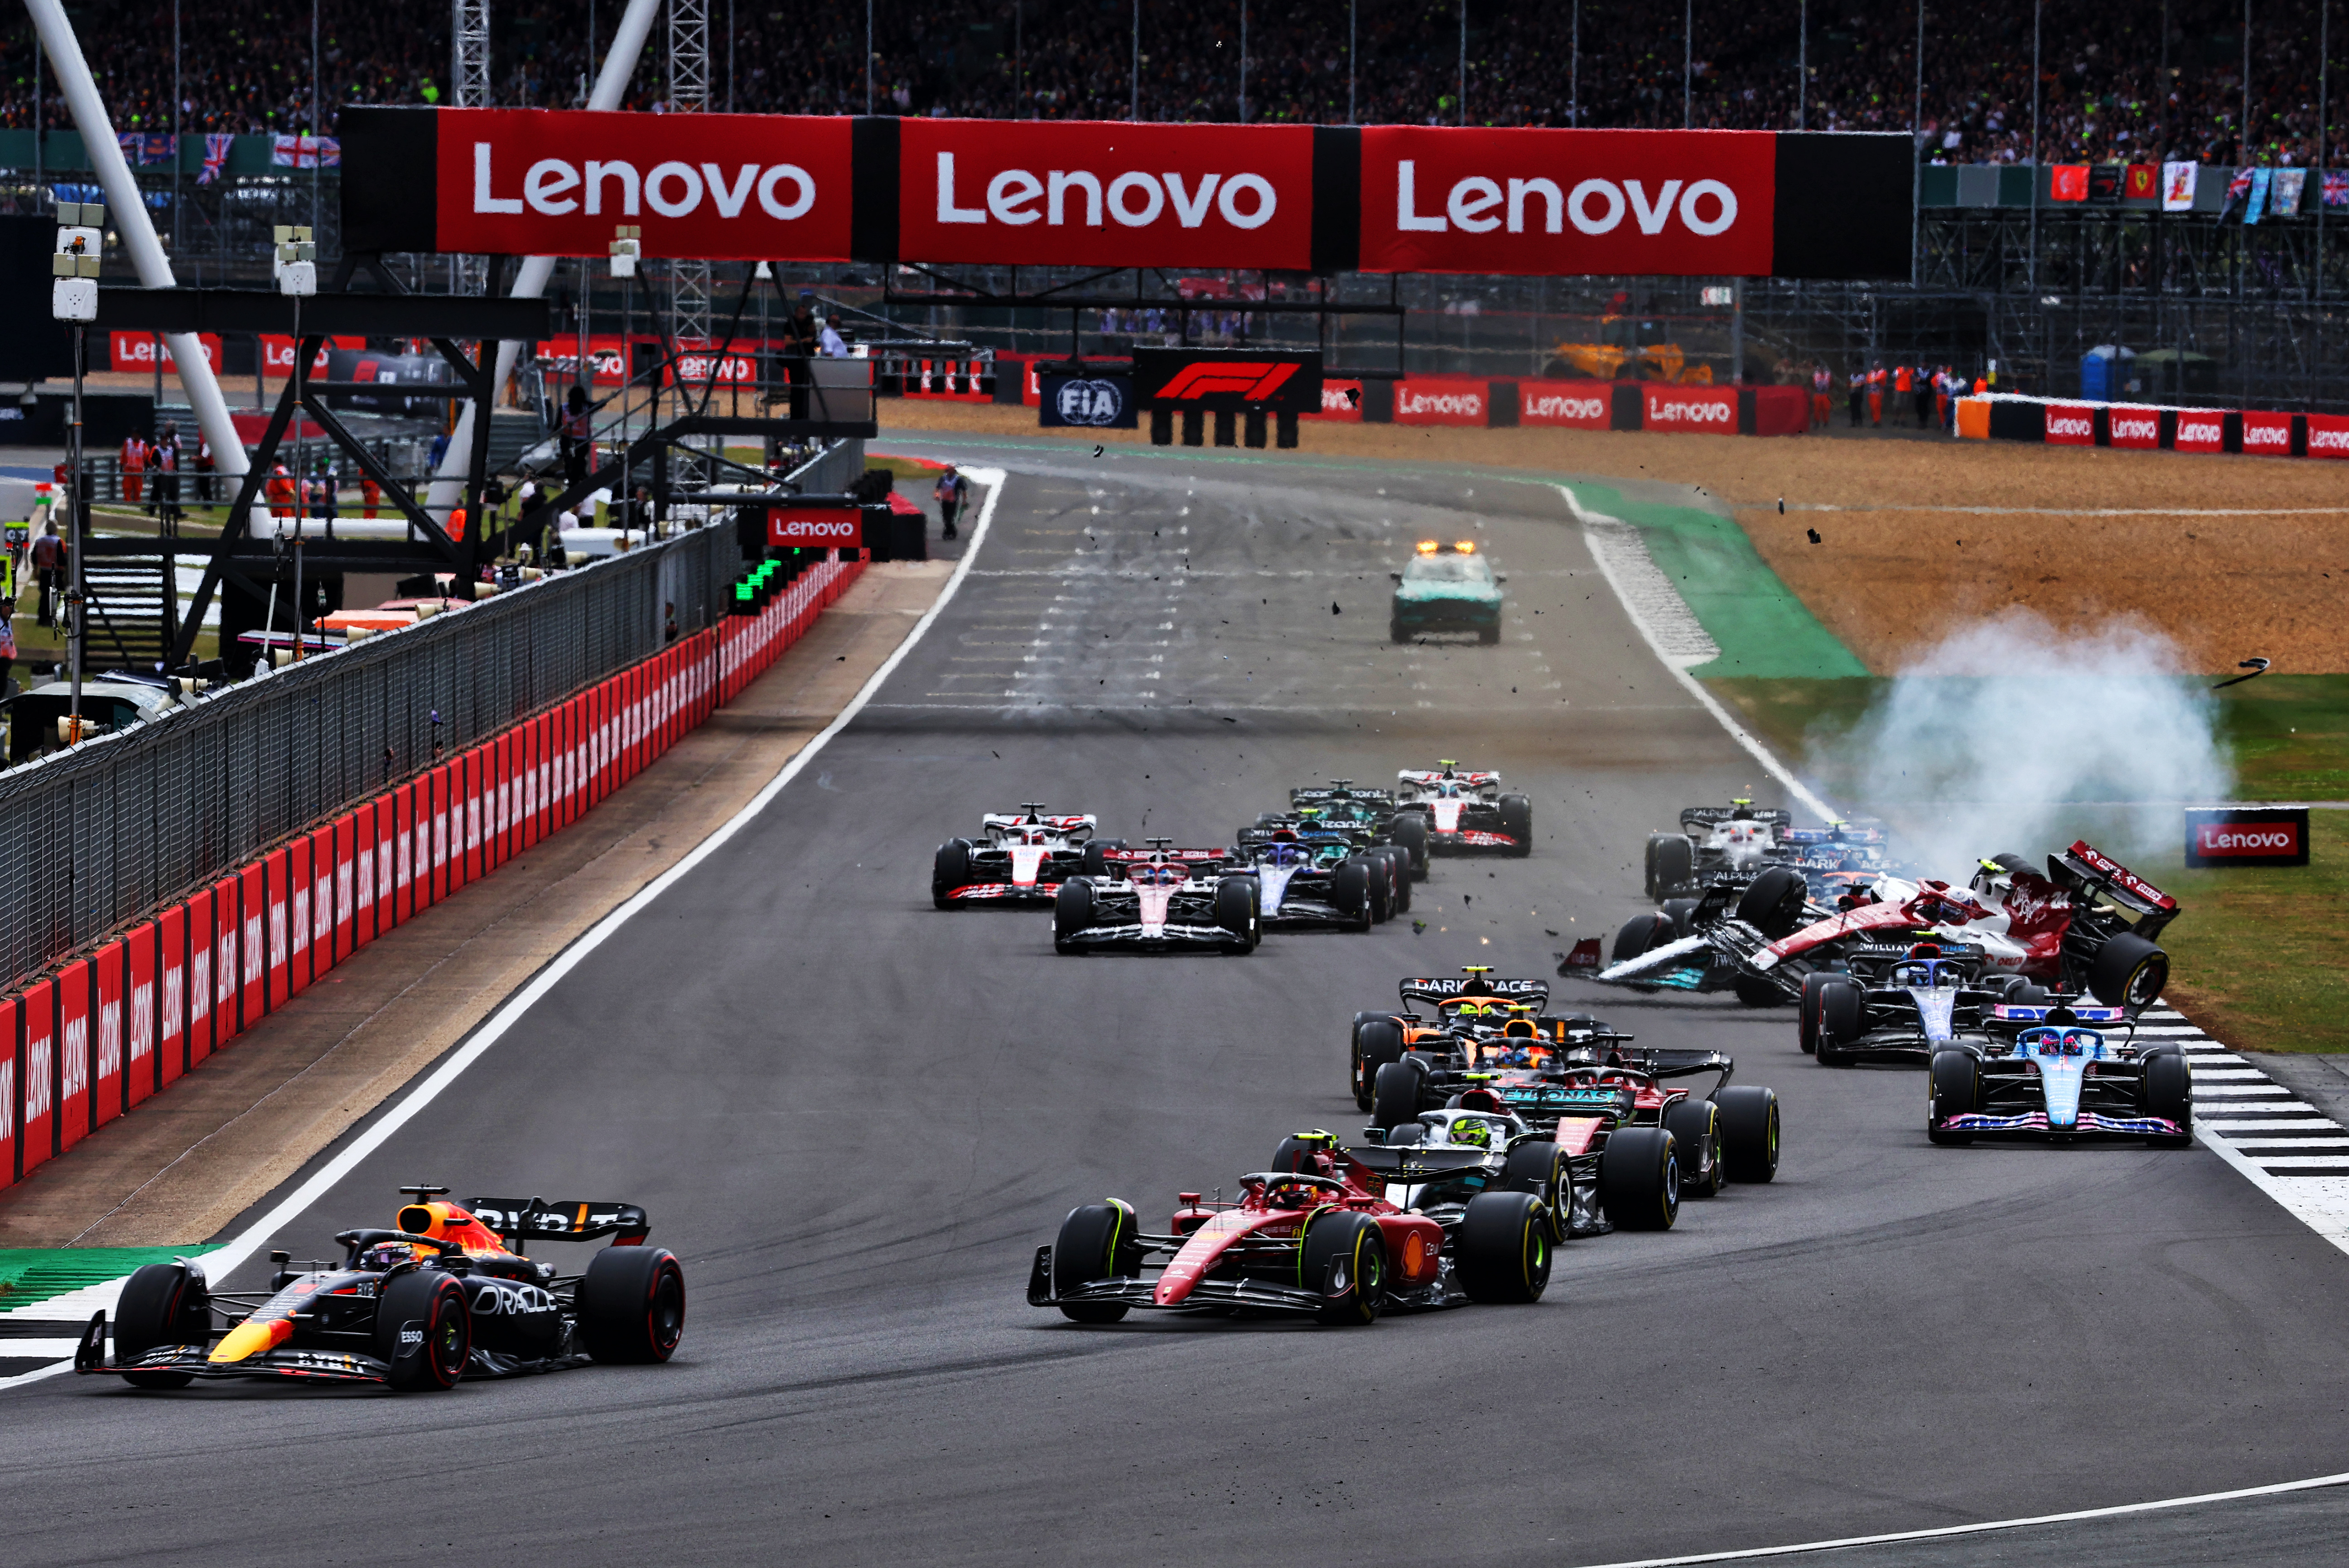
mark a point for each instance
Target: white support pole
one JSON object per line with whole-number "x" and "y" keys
{"x": 137, "y": 226}
{"x": 531, "y": 278}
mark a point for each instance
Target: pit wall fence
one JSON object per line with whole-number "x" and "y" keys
{"x": 94, "y": 1035}
{"x": 2152, "y": 427}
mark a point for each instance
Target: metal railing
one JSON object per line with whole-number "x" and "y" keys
{"x": 97, "y": 836}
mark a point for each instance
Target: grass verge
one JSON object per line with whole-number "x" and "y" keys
{"x": 2259, "y": 953}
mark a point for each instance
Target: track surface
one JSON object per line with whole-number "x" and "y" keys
{"x": 854, "y": 1118}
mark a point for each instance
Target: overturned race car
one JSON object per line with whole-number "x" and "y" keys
{"x": 438, "y": 1297}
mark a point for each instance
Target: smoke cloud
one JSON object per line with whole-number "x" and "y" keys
{"x": 2011, "y": 735}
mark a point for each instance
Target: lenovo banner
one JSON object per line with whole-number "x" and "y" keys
{"x": 1708, "y": 411}
{"x": 1105, "y": 193}
{"x": 2247, "y": 836}
{"x": 137, "y": 351}
{"x": 1588, "y": 406}
{"x": 841, "y": 526}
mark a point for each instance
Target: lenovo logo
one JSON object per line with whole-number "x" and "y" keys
{"x": 554, "y": 187}
{"x": 2218, "y": 838}
{"x": 2267, "y": 436}
{"x": 2135, "y": 430}
{"x": 1478, "y": 205}
{"x": 1661, "y": 410}
{"x": 1134, "y": 199}
{"x": 2328, "y": 440}
{"x": 1254, "y": 380}
{"x": 1547, "y": 406}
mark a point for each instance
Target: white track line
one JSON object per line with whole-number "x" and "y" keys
{"x": 219, "y": 1262}
{"x": 2313, "y": 1484}
{"x": 1656, "y": 643}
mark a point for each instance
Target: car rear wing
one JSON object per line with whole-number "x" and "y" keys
{"x": 1431, "y": 990}
{"x": 1698, "y": 816}
{"x": 1376, "y": 797}
{"x": 1195, "y": 859}
{"x": 2083, "y": 868}
{"x": 1414, "y": 1162}
{"x": 568, "y": 1220}
{"x": 1659, "y": 1063}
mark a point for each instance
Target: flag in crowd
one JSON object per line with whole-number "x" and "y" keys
{"x": 2337, "y": 187}
{"x": 2283, "y": 193}
{"x": 216, "y": 150}
{"x": 2177, "y": 187}
{"x": 148, "y": 146}
{"x": 304, "y": 152}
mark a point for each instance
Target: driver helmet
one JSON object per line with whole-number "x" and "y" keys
{"x": 1741, "y": 811}
{"x": 1471, "y": 1132}
{"x": 1993, "y": 881}
{"x": 1506, "y": 1052}
{"x": 385, "y": 1255}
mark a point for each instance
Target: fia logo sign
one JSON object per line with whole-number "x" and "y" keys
{"x": 1091, "y": 402}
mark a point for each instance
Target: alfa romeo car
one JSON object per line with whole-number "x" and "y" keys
{"x": 1159, "y": 899}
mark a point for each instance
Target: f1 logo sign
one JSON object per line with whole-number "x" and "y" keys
{"x": 1229, "y": 380}
{"x": 1253, "y": 382}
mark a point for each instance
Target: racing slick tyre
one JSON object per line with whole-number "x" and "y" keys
{"x": 1489, "y": 634}
{"x": 632, "y": 1304}
{"x": 1294, "y": 1154}
{"x": 2129, "y": 971}
{"x": 1772, "y": 902}
{"x": 162, "y": 1303}
{"x": 1640, "y": 1178}
{"x": 1695, "y": 1127}
{"x": 1518, "y": 817}
{"x": 1501, "y": 1248}
{"x": 2166, "y": 1089}
{"x": 1400, "y": 862}
{"x": 1640, "y": 934}
{"x": 1350, "y": 890}
{"x": 1755, "y": 992}
{"x": 1394, "y": 1095}
{"x": 1808, "y": 1029}
{"x": 1953, "y": 1089}
{"x": 1381, "y": 888}
{"x": 1539, "y": 1168}
{"x": 1072, "y": 912}
{"x": 1093, "y": 859}
{"x": 1409, "y": 831}
{"x": 1378, "y": 1042}
{"x": 950, "y": 871}
{"x": 429, "y": 1305}
{"x": 2022, "y": 992}
{"x": 1843, "y": 1019}
{"x": 1749, "y": 1132}
{"x": 1671, "y": 865}
{"x": 1681, "y": 913}
{"x": 1353, "y": 1244}
{"x": 1236, "y": 910}
{"x": 1096, "y": 1242}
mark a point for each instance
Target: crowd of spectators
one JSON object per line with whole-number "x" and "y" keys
{"x": 2164, "y": 80}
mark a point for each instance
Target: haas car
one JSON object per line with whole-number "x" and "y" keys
{"x": 1336, "y": 1234}
{"x": 1734, "y": 844}
{"x": 2061, "y": 1071}
{"x": 438, "y": 1296}
{"x": 1018, "y": 857}
{"x": 1466, "y": 811}
{"x": 1159, "y": 899}
{"x": 2088, "y": 925}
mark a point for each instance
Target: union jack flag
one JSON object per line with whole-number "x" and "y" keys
{"x": 216, "y": 148}
{"x": 2337, "y": 187}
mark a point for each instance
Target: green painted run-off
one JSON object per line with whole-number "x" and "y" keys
{"x": 1762, "y": 629}
{"x": 29, "y": 1275}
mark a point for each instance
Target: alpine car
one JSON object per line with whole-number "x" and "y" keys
{"x": 1447, "y": 589}
{"x": 1159, "y": 899}
{"x": 2057, "y": 1070}
{"x": 1466, "y": 811}
{"x": 1635, "y": 1142}
{"x": 2088, "y": 925}
{"x": 437, "y": 1297}
{"x": 1018, "y": 857}
{"x": 1337, "y": 1234}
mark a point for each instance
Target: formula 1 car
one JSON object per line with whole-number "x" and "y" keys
{"x": 1340, "y": 1235}
{"x": 437, "y": 1297}
{"x": 2042, "y": 1070}
{"x": 2070, "y": 930}
{"x": 1019, "y": 857}
{"x": 1159, "y": 899}
{"x": 1307, "y": 881}
{"x": 1906, "y": 1008}
{"x": 1466, "y": 811}
{"x": 1374, "y": 813}
{"x": 1608, "y": 1104}
{"x": 1446, "y": 587}
{"x": 1454, "y": 1006}
{"x": 1335, "y": 843}
{"x": 1734, "y": 844}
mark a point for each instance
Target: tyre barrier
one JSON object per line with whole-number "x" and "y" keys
{"x": 112, "y": 1028}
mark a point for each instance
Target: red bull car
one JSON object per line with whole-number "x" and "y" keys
{"x": 440, "y": 1296}
{"x": 1466, "y": 812}
{"x": 1019, "y": 857}
{"x": 1159, "y": 899}
{"x": 1336, "y": 1234}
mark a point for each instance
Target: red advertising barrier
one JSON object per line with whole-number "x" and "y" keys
{"x": 1575, "y": 405}
{"x": 726, "y": 186}
{"x": 106, "y": 1027}
{"x": 136, "y": 352}
{"x": 37, "y": 1134}
{"x": 2133, "y": 428}
{"x": 405, "y": 861}
{"x": 385, "y": 810}
{"x": 2071, "y": 424}
{"x": 323, "y": 872}
{"x": 1104, "y": 193}
{"x": 1433, "y": 400}
{"x": 11, "y": 1074}
{"x": 224, "y": 901}
{"x": 73, "y": 1054}
{"x": 141, "y": 1004}
{"x": 354, "y": 907}
{"x": 203, "y": 990}
{"x": 440, "y": 782}
{"x": 171, "y": 995}
{"x": 1779, "y": 410}
{"x": 2200, "y": 430}
{"x": 1707, "y": 410}
{"x": 2267, "y": 435}
{"x": 1341, "y": 401}
{"x": 2328, "y": 435}
{"x": 1443, "y": 199}
{"x": 289, "y": 922}
{"x": 253, "y": 945}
